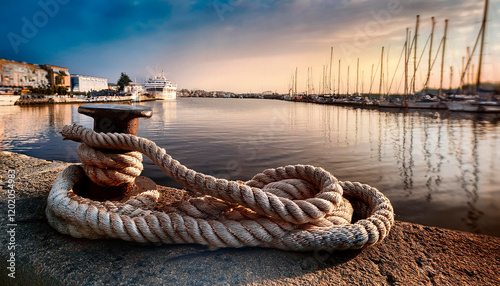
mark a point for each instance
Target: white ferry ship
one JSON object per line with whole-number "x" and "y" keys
{"x": 161, "y": 88}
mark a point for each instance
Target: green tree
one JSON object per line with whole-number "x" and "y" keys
{"x": 123, "y": 81}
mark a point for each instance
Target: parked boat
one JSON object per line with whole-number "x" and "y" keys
{"x": 426, "y": 102}
{"x": 467, "y": 105}
{"x": 161, "y": 88}
{"x": 489, "y": 106}
{"x": 135, "y": 90}
{"x": 391, "y": 103}
{"x": 477, "y": 104}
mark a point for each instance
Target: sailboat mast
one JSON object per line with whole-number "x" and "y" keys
{"x": 326, "y": 79}
{"x": 307, "y": 82}
{"x": 357, "y": 79}
{"x": 362, "y": 81}
{"x": 430, "y": 56}
{"x": 325, "y": 83}
{"x": 468, "y": 72}
{"x": 311, "y": 82}
{"x": 406, "y": 63}
{"x": 462, "y": 72}
{"x": 295, "y": 81}
{"x": 451, "y": 75}
{"x": 330, "y": 78}
{"x": 371, "y": 79}
{"x": 338, "y": 86}
{"x": 347, "y": 94}
{"x": 442, "y": 57}
{"x": 415, "y": 53}
{"x": 483, "y": 31}
{"x": 387, "y": 71}
{"x": 381, "y": 72}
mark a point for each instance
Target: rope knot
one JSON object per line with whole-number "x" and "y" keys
{"x": 108, "y": 169}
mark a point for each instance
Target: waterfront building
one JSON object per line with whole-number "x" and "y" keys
{"x": 84, "y": 83}
{"x": 58, "y": 76}
{"x": 20, "y": 74}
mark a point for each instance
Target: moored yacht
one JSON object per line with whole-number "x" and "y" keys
{"x": 426, "y": 102}
{"x": 466, "y": 105}
{"x": 474, "y": 105}
{"x": 392, "y": 103}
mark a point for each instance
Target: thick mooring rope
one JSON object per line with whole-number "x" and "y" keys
{"x": 297, "y": 207}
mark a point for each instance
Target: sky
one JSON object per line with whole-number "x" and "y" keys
{"x": 249, "y": 46}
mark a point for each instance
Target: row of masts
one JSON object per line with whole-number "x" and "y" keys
{"x": 327, "y": 81}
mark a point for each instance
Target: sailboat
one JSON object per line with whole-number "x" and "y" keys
{"x": 384, "y": 102}
{"x": 477, "y": 105}
{"x": 427, "y": 101}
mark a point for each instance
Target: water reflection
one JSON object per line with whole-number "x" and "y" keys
{"x": 438, "y": 168}
{"x": 433, "y": 151}
{"x": 31, "y": 127}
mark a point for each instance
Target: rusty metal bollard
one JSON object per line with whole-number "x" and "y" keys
{"x": 114, "y": 118}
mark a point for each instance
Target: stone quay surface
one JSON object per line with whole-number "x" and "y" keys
{"x": 412, "y": 254}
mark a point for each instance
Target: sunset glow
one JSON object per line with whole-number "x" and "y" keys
{"x": 249, "y": 46}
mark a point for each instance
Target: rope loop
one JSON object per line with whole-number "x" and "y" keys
{"x": 296, "y": 207}
{"x": 107, "y": 169}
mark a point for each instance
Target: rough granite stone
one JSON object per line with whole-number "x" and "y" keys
{"x": 411, "y": 255}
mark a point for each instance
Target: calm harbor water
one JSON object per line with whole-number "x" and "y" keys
{"x": 438, "y": 168}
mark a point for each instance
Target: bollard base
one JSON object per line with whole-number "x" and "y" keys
{"x": 88, "y": 189}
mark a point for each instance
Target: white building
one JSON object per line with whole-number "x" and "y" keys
{"x": 84, "y": 83}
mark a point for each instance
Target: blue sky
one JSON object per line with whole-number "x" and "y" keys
{"x": 239, "y": 45}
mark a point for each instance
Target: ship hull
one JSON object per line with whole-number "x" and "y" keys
{"x": 493, "y": 107}
{"x": 426, "y": 104}
{"x": 390, "y": 104}
{"x": 163, "y": 95}
{"x": 161, "y": 88}
{"x": 462, "y": 106}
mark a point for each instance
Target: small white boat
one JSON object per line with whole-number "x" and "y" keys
{"x": 135, "y": 90}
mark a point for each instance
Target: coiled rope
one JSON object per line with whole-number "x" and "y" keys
{"x": 296, "y": 207}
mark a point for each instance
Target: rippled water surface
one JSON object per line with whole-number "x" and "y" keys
{"x": 437, "y": 168}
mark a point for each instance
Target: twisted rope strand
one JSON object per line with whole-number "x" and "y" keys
{"x": 294, "y": 207}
